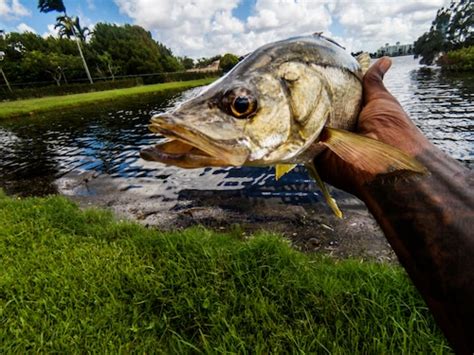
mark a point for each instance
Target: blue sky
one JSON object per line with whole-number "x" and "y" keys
{"x": 92, "y": 11}
{"x": 206, "y": 27}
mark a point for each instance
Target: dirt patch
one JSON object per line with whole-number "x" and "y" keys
{"x": 311, "y": 227}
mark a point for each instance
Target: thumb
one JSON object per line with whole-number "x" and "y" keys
{"x": 373, "y": 80}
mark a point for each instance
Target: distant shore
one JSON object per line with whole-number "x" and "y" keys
{"x": 32, "y": 106}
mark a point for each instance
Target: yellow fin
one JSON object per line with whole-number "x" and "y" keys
{"x": 368, "y": 154}
{"x": 330, "y": 201}
{"x": 282, "y": 169}
{"x": 364, "y": 61}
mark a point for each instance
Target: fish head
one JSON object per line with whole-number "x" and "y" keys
{"x": 259, "y": 115}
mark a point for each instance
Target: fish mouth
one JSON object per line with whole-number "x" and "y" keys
{"x": 188, "y": 148}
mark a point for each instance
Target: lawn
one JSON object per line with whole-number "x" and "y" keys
{"x": 32, "y": 106}
{"x": 83, "y": 281}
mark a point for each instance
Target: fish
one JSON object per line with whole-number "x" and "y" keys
{"x": 281, "y": 105}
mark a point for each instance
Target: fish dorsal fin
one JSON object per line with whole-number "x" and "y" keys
{"x": 329, "y": 200}
{"x": 282, "y": 169}
{"x": 368, "y": 154}
{"x": 364, "y": 62}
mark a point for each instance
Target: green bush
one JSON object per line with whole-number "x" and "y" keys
{"x": 458, "y": 60}
{"x": 102, "y": 85}
{"x": 77, "y": 281}
{"x": 179, "y": 76}
{"x": 228, "y": 61}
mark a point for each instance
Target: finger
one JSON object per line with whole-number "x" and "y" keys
{"x": 373, "y": 80}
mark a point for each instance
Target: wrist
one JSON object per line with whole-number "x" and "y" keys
{"x": 395, "y": 193}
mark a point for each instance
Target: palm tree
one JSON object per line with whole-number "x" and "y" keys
{"x": 68, "y": 26}
{"x": 51, "y": 5}
{"x": 81, "y": 32}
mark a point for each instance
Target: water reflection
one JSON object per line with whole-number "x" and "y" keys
{"x": 106, "y": 140}
{"x": 440, "y": 104}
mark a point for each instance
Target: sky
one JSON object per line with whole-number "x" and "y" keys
{"x": 202, "y": 28}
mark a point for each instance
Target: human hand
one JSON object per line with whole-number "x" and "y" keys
{"x": 427, "y": 221}
{"x": 381, "y": 118}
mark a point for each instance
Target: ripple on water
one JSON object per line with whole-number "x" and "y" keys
{"x": 107, "y": 140}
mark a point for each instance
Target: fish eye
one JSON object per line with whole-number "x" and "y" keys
{"x": 241, "y": 104}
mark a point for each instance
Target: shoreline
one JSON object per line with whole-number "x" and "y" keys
{"x": 309, "y": 227}
{"x": 12, "y": 109}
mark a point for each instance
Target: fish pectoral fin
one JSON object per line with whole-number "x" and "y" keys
{"x": 364, "y": 61}
{"x": 282, "y": 169}
{"x": 329, "y": 200}
{"x": 368, "y": 154}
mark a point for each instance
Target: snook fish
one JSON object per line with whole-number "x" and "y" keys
{"x": 282, "y": 105}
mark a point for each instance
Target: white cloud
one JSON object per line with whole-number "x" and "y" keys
{"x": 13, "y": 8}
{"x": 23, "y": 27}
{"x": 205, "y": 27}
{"x": 289, "y": 16}
{"x": 53, "y": 32}
{"x": 369, "y": 25}
{"x": 197, "y": 28}
{"x": 224, "y": 23}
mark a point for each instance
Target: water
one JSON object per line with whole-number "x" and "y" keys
{"x": 105, "y": 141}
{"x": 441, "y": 105}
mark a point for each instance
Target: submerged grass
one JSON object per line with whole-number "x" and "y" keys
{"x": 82, "y": 281}
{"x": 31, "y": 106}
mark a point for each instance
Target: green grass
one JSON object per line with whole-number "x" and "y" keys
{"x": 82, "y": 281}
{"x": 31, "y": 106}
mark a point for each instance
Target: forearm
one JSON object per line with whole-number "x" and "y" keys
{"x": 429, "y": 221}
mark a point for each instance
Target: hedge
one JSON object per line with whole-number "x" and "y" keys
{"x": 54, "y": 90}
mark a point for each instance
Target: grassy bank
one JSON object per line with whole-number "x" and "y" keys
{"x": 81, "y": 281}
{"x": 31, "y": 106}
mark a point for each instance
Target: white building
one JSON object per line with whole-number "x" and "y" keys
{"x": 395, "y": 50}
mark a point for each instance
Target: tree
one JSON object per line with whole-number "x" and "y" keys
{"x": 205, "y": 62}
{"x": 112, "y": 50}
{"x": 461, "y": 26}
{"x": 452, "y": 29}
{"x": 133, "y": 49}
{"x": 67, "y": 23}
{"x": 429, "y": 45}
{"x": 51, "y": 5}
{"x": 71, "y": 27}
{"x": 2, "y": 57}
{"x": 106, "y": 60}
{"x": 188, "y": 63}
{"x": 53, "y": 64}
{"x": 18, "y": 63}
{"x": 228, "y": 61}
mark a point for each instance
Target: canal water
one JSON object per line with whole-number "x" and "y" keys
{"x": 40, "y": 152}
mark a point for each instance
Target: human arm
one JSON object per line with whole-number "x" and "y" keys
{"x": 428, "y": 220}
